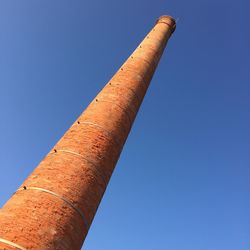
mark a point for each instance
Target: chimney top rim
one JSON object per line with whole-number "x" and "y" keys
{"x": 169, "y": 20}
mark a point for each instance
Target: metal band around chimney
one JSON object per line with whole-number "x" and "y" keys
{"x": 156, "y": 39}
{"x": 123, "y": 109}
{"x": 135, "y": 56}
{"x": 172, "y": 27}
{"x": 136, "y": 74}
{"x": 114, "y": 83}
{"x": 7, "y": 242}
{"x": 86, "y": 159}
{"x": 58, "y": 196}
{"x": 145, "y": 60}
{"x": 157, "y": 51}
{"x": 110, "y": 134}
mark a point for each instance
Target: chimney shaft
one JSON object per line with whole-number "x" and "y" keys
{"x": 54, "y": 207}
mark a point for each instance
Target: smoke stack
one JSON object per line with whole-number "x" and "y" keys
{"x": 54, "y": 207}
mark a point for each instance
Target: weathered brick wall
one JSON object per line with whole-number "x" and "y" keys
{"x": 54, "y": 207}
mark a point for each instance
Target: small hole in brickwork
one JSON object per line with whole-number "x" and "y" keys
{"x": 121, "y": 68}
{"x": 24, "y": 187}
{"x": 132, "y": 57}
{"x": 96, "y": 100}
{"x": 140, "y": 46}
{"x": 110, "y": 83}
{"x": 78, "y": 122}
{"x": 55, "y": 150}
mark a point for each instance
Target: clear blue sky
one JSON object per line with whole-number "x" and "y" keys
{"x": 183, "y": 180}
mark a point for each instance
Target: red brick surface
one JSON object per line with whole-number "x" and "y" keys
{"x": 78, "y": 168}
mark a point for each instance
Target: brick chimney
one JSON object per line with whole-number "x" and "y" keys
{"x": 54, "y": 207}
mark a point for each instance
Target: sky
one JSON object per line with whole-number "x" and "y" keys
{"x": 183, "y": 179}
